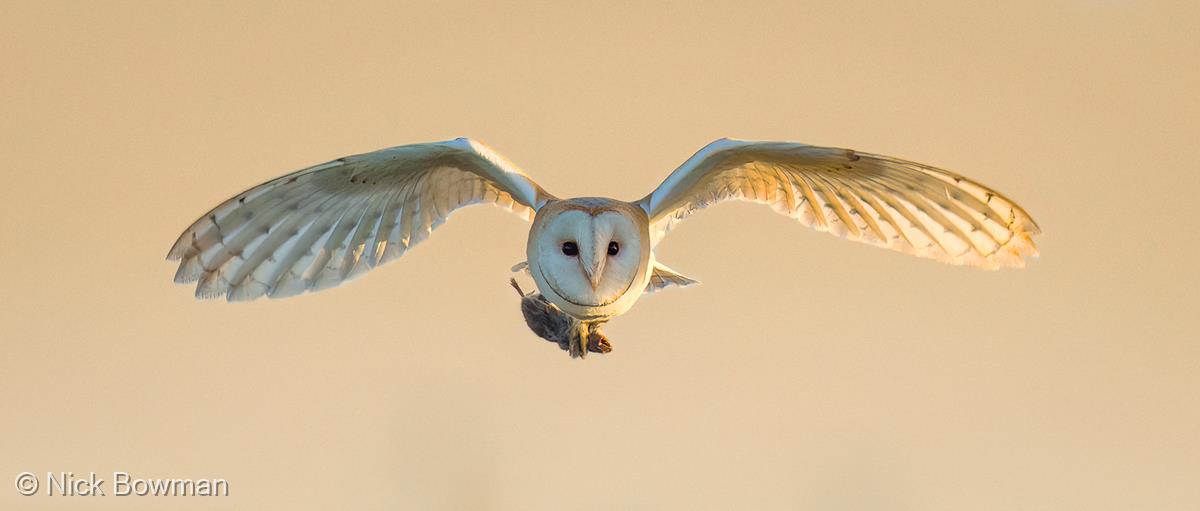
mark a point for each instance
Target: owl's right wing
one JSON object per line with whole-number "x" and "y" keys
{"x": 321, "y": 226}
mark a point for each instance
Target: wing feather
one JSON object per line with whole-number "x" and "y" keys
{"x": 662, "y": 277}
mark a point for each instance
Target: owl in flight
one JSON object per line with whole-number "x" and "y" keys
{"x": 590, "y": 258}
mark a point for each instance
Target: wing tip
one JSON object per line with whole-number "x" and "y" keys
{"x": 180, "y": 248}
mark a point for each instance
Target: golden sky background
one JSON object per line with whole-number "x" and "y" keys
{"x": 805, "y": 373}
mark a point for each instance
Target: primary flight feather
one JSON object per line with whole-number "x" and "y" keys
{"x": 590, "y": 258}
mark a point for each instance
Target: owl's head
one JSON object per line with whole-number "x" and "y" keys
{"x": 590, "y": 256}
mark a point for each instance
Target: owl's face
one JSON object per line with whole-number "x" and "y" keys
{"x": 590, "y": 256}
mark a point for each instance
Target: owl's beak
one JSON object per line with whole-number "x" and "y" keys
{"x": 592, "y": 263}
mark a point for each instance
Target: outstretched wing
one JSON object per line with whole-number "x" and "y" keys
{"x": 885, "y": 201}
{"x": 321, "y": 226}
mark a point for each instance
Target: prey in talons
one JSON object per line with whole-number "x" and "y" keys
{"x": 552, "y": 324}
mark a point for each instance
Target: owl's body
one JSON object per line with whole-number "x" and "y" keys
{"x": 590, "y": 258}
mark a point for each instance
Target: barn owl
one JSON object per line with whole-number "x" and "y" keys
{"x": 590, "y": 258}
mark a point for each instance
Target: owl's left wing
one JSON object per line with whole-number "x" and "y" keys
{"x": 884, "y": 201}
{"x": 321, "y": 226}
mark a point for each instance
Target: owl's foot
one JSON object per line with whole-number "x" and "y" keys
{"x": 588, "y": 339}
{"x": 598, "y": 343}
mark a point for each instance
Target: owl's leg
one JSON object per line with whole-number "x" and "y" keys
{"x": 578, "y": 339}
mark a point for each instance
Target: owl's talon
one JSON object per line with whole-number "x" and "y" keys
{"x": 598, "y": 343}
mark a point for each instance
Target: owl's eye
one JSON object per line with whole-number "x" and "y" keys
{"x": 569, "y": 248}
{"x": 613, "y": 248}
